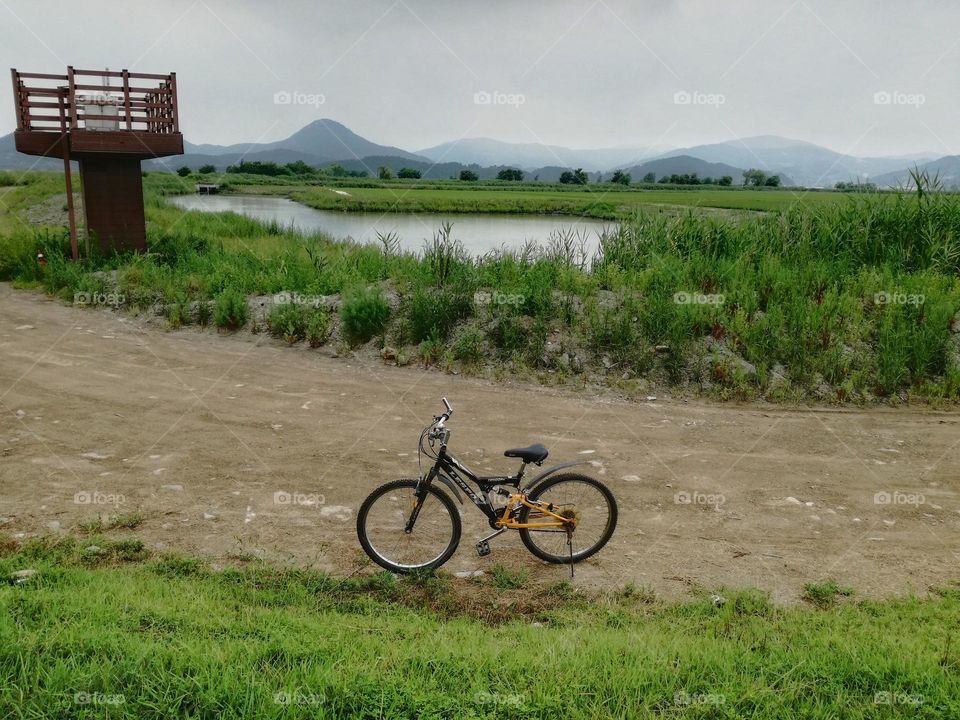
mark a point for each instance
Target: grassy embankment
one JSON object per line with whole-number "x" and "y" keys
{"x": 112, "y": 632}
{"x": 854, "y": 299}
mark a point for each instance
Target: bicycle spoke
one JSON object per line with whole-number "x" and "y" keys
{"x": 386, "y": 523}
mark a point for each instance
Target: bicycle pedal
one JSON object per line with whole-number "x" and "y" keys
{"x": 483, "y": 548}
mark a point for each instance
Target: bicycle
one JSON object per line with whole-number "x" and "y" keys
{"x": 407, "y": 525}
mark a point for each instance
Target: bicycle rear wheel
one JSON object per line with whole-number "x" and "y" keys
{"x": 570, "y": 495}
{"x": 382, "y": 519}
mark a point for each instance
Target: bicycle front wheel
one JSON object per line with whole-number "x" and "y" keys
{"x": 575, "y": 496}
{"x": 382, "y": 521}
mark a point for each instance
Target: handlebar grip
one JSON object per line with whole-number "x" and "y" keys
{"x": 447, "y": 405}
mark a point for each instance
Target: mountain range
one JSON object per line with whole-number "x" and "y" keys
{"x": 325, "y": 142}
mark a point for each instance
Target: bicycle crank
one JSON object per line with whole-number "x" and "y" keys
{"x": 483, "y": 545}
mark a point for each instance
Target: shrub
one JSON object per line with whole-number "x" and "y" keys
{"x": 364, "y": 313}
{"x": 288, "y": 321}
{"x": 318, "y": 325}
{"x": 203, "y": 312}
{"x": 433, "y": 312}
{"x": 178, "y": 312}
{"x": 18, "y": 256}
{"x": 468, "y": 346}
{"x": 230, "y": 310}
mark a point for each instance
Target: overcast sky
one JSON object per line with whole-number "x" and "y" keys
{"x": 864, "y": 77}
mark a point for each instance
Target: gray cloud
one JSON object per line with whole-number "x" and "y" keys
{"x": 585, "y": 74}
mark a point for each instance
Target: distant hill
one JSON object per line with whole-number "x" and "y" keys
{"x": 805, "y": 163}
{"x": 531, "y": 156}
{"x": 324, "y": 140}
{"x": 10, "y": 159}
{"x": 686, "y": 165}
{"x": 946, "y": 168}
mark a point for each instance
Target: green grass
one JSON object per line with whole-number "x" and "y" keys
{"x": 125, "y": 521}
{"x": 599, "y": 202}
{"x": 825, "y": 595}
{"x": 120, "y": 635}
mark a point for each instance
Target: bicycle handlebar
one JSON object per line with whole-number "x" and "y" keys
{"x": 441, "y": 419}
{"x": 440, "y": 432}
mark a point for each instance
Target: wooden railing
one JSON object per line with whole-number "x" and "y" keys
{"x": 96, "y": 100}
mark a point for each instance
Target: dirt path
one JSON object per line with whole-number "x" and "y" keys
{"x": 200, "y": 431}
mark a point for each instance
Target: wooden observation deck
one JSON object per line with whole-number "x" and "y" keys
{"x": 109, "y": 122}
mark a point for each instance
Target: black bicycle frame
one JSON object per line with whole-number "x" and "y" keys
{"x": 450, "y": 471}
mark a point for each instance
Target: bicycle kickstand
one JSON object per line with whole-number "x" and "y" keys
{"x": 570, "y": 549}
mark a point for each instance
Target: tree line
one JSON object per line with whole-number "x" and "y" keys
{"x": 751, "y": 178}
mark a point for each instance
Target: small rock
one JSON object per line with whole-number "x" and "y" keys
{"x": 173, "y": 488}
{"x": 21, "y": 576}
{"x": 790, "y": 500}
{"x": 536, "y": 624}
{"x": 337, "y": 512}
{"x": 20, "y": 414}
{"x": 717, "y": 600}
{"x": 651, "y": 398}
{"x": 631, "y": 478}
{"x": 209, "y": 516}
{"x": 94, "y": 456}
{"x": 93, "y": 549}
{"x": 54, "y": 524}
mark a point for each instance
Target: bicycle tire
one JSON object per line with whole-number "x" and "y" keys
{"x": 370, "y": 547}
{"x": 529, "y": 536}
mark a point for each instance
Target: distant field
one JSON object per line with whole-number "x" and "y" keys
{"x": 599, "y": 202}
